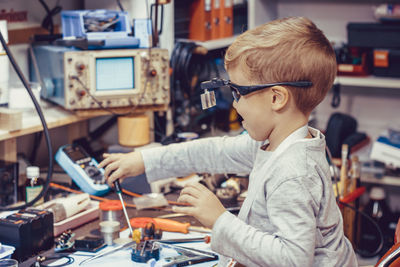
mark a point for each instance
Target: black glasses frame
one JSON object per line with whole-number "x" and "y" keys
{"x": 239, "y": 90}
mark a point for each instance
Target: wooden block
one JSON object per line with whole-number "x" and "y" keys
{"x": 10, "y": 119}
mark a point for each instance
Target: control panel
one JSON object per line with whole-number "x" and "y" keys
{"x": 116, "y": 78}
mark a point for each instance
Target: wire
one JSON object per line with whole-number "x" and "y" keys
{"x": 108, "y": 109}
{"x": 380, "y": 247}
{"x": 120, "y": 5}
{"x": 336, "y": 179}
{"x": 45, "y": 129}
{"x": 47, "y": 22}
{"x": 41, "y": 259}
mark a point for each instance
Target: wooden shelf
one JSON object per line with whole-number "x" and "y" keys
{"x": 385, "y": 180}
{"x": 55, "y": 116}
{"x": 217, "y": 43}
{"x": 369, "y": 81}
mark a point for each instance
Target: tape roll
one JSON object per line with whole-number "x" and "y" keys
{"x": 134, "y": 130}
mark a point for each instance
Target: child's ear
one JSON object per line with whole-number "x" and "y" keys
{"x": 280, "y": 97}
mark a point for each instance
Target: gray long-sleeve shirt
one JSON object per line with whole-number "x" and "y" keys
{"x": 290, "y": 217}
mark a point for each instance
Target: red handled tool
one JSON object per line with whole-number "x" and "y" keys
{"x": 167, "y": 225}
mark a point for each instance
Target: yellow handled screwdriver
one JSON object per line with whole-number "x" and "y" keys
{"x": 118, "y": 189}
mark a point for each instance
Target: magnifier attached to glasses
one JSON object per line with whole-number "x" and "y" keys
{"x": 208, "y": 97}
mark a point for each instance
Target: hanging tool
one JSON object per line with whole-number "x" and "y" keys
{"x": 117, "y": 186}
{"x": 167, "y": 225}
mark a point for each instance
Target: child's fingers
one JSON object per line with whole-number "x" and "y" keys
{"x": 105, "y": 162}
{"x": 198, "y": 186}
{"x": 190, "y": 191}
{"x": 110, "y": 168}
{"x": 113, "y": 177}
{"x": 187, "y": 199}
{"x": 186, "y": 210}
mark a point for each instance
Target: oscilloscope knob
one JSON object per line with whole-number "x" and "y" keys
{"x": 152, "y": 73}
{"x": 81, "y": 92}
{"x": 80, "y": 66}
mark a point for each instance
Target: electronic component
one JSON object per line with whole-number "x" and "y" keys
{"x": 144, "y": 251}
{"x": 29, "y": 231}
{"x": 82, "y": 168}
{"x": 87, "y": 79}
{"x": 65, "y": 241}
{"x": 89, "y": 243}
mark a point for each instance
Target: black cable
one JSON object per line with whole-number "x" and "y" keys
{"x": 41, "y": 259}
{"x": 47, "y": 22}
{"x": 380, "y": 247}
{"x": 120, "y": 5}
{"x": 335, "y": 95}
{"x": 45, "y": 129}
{"x": 336, "y": 179}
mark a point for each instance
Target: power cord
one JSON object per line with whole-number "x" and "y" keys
{"x": 120, "y": 5}
{"x": 41, "y": 259}
{"x": 44, "y": 124}
{"x": 336, "y": 180}
{"x": 47, "y": 22}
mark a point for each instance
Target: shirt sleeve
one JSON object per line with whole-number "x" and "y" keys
{"x": 207, "y": 155}
{"x": 291, "y": 211}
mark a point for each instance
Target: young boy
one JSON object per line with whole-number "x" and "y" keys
{"x": 290, "y": 217}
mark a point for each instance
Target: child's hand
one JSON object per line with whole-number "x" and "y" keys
{"x": 119, "y": 166}
{"x": 205, "y": 206}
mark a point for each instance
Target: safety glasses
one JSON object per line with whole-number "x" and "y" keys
{"x": 239, "y": 90}
{"x": 208, "y": 97}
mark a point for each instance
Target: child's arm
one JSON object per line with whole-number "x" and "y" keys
{"x": 207, "y": 155}
{"x": 211, "y": 155}
{"x": 293, "y": 235}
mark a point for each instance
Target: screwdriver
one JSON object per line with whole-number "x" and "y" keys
{"x": 167, "y": 225}
{"x": 118, "y": 189}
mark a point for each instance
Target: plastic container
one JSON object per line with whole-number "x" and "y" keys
{"x": 6, "y": 251}
{"x": 75, "y": 24}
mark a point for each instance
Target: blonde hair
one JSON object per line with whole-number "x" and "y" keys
{"x": 286, "y": 50}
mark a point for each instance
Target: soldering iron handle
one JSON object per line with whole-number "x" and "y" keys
{"x": 117, "y": 186}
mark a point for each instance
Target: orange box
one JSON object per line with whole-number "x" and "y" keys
{"x": 226, "y": 18}
{"x": 200, "y": 27}
{"x": 381, "y": 58}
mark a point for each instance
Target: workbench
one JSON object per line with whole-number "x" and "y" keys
{"x": 92, "y": 228}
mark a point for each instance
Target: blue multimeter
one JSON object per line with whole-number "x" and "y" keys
{"x": 82, "y": 168}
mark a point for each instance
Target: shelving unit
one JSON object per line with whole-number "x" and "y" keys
{"x": 385, "y": 180}
{"x": 369, "y": 81}
{"x": 217, "y": 43}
